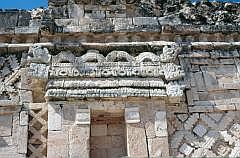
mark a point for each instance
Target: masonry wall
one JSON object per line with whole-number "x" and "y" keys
{"x": 192, "y": 111}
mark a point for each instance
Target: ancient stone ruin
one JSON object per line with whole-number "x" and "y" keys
{"x": 120, "y": 78}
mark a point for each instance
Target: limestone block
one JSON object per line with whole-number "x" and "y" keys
{"x": 79, "y": 141}
{"x": 58, "y": 144}
{"x": 116, "y": 153}
{"x": 121, "y": 24}
{"x": 75, "y": 11}
{"x": 83, "y": 117}
{"x": 132, "y": 115}
{"x": 115, "y": 129}
{"x": 210, "y": 80}
{"x": 136, "y": 141}
{"x": 99, "y": 153}
{"x": 161, "y": 124}
{"x": 158, "y": 147}
{"x": 225, "y": 107}
{"x": 186, "y": 149}
{"x": 26, "y": 96}
{"x": 200, "y": 130}
{"x": 117, "y": 141}
{"x": 199, "y": 81}
{"x": 24, "y": 118}
{"x": 54, "y": 117}
{"x": 25, "y": 79}
{"x": 99, "y": 130}
{"x": 6, "y": 125}
{"x": 101, "y": 142}
{"x": 22, "y": 139}
{"x": 27, "y": 30}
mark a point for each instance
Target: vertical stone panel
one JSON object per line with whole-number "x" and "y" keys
{"x": 58, "y": 144}
{"x": 136, "y": 141}
{"x": 161, "y": 124}
{"x": 54, "y": 117}
{"x": 79, "y": 141}
{"x": 22, "y": 139}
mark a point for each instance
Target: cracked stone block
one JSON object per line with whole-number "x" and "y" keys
{"x": 186, "y": 149}
{"x": 200, "y": 130}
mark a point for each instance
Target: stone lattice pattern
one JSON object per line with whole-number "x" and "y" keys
{"x": 205, "y": 134}
{"x": 37, "y": 134}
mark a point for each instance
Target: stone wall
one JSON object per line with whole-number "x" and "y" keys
{"x": 109, "y": 78}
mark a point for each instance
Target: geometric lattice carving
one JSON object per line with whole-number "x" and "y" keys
{"x": 205, "y": 134}
{"x": 37, "y": 137}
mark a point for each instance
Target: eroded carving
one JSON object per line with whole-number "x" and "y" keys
{"x": 9, "y": 76}
{"x": 67, "y": 73}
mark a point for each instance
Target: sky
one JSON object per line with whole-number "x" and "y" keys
{"x": 30, "y": 4}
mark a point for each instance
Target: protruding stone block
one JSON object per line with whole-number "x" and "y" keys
{"x": 132, "y": 115}
{"x": 24, "y": 118}
{"x": 161, "y": 124}
{"x": 83, "y": 117}
{"x": 186, "y": 149}
{"x": 200, "y": 130}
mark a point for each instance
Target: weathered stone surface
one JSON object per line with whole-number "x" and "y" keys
{"x": 54, "y": 117}
{"x": 23, "y": 118}
{"x": 158, "y": 147}
{"x": 6, "y": 125}
{"x": 132, "y": 115}
{"x": 161, "y": 124}
{"x": 186, "y": 149}
{"x": 99, "y": 130}
{"x": 22, "y": 139}
{"x": 79, "y": 141}
{"x": 136, "y": 141}
{"x": 200, "y": 130}
{"x": 58, "y": 144}
{"x": 177, "y": 62}
{"x": 83, "y": 117}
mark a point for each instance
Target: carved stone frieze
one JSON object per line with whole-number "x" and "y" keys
{"x": 119, "y": 74}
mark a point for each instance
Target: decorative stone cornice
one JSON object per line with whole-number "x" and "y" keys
{"x": 119, "y": 74}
